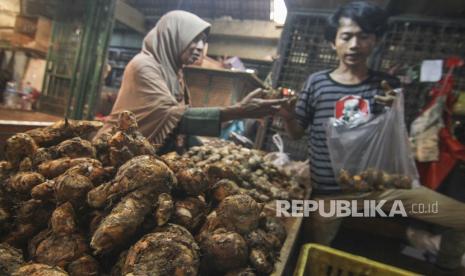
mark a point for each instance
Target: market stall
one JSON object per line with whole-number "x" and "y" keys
{"x": 139, "y": 189}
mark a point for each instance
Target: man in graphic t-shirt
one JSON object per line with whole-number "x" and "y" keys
{"x": 354, "y": 30}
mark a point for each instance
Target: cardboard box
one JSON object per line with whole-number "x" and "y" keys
{"x": 26, "y": 25}
{"x": 27, "y": 33}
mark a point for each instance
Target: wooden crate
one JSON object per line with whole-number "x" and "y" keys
{"x": 219, "y": 87}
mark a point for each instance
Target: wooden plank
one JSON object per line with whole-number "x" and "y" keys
{"x": 293, "y": 229}
{"x": 23, "y": 124}
{"x": 9, "y": 116}
{"x": 293, "y": 225}
{"x": 11, "y": 127}
{"x": 13, "y": 121}
{"x": 130, "y": 17}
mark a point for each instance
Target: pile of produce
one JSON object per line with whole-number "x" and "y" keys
{"x": 373, "y": 180}
{"x": 249, "y": 169}
{"x": 71, "y": 206}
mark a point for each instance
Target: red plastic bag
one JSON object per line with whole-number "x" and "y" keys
{"x": 450, "y": 149}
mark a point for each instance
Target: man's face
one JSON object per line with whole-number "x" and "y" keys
{"x": 352, "y": 45}
{"x": 194, "y": 51}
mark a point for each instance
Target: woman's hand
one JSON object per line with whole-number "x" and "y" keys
{"x": 256, "y": 107}
{"x": 252, "y": 106}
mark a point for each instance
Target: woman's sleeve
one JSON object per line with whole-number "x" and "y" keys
{"x": 202, "y": 121}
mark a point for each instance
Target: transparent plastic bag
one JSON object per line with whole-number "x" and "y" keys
{"x": 375, "y": 155}
{"x": 279, "y": 158}
{"x": 299, "y": 170}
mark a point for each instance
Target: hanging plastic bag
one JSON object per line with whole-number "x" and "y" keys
{"x": 279, "y": 158}
{"x": 299, "y": 170}
{"x": 375, "y": 155}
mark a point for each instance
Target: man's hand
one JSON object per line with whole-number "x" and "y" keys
{"x": 287, "y": 112}
{"x": 389, "y": 94}
{"x": 287, "y": 109}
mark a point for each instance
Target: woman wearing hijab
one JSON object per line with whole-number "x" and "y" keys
{"x": 153, "y": 86}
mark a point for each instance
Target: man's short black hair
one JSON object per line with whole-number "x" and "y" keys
{"x": 370, "y": 17}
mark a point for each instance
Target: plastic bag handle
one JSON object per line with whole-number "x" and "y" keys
{"x": 278, "y": 141}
